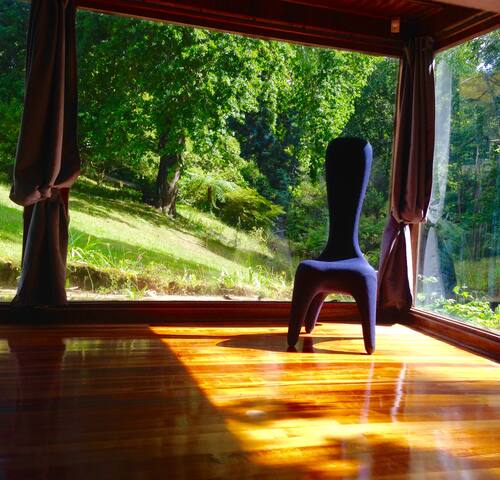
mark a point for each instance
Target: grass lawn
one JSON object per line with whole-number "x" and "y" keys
{"x": 123, "y": 248}
{"x": 120, "y": 245}
{"x": 478, "y": 275}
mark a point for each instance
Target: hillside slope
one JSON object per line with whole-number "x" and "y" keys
{"x": 120, "y": 245}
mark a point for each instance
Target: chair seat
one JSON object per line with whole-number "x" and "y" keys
{"x": 356, "y": 264}
{"x": 315, "y": 279}
{"x": 336, "y": 276}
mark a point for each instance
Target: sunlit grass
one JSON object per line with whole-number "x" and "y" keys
{"x": 477, "y": 275}
{"x": 119, "y": 244}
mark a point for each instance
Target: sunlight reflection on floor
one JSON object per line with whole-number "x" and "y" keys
{"x": 332, "y": 410}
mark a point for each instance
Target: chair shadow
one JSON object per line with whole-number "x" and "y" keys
{"x": 276, "y": 342}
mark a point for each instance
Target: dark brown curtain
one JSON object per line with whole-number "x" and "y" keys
{"x": 47, "y": 159}
{"x": 411, "y": 174}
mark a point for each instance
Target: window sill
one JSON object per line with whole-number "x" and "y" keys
{"x": 477, "y": 340}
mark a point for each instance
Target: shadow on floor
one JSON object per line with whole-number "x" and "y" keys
{"x": 276, "y": 342}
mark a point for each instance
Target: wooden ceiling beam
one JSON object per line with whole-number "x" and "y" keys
{"x": 263, "y": 19}
{"x": 479, "y": 24}
{"x": 323, "y": 23}
{"x": 485, "y": 5}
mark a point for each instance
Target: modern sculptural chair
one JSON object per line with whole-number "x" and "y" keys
{"x": 341, "y": 267}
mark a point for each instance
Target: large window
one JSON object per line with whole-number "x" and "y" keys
{"x": 202, "y": 157}
{"x": 459, "y": 267}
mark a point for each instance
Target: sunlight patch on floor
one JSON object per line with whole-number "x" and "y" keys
{"x": 332, "y": 408}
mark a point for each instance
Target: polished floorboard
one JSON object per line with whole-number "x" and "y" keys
{"x": 209, "y": 402}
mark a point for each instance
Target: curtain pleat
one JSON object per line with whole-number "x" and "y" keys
{"x": 47, "y": 158}
{"x": 411, "y": 174}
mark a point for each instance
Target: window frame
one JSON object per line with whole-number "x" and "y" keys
{"x": 476, "y": 339}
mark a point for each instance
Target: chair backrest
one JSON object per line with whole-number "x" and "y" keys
{"x": 347, "y": 170}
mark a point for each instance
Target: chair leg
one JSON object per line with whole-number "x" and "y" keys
{"x": 313, "y": 312}
{"x": 303, "y": 294}
{"x": 366, "y": 299}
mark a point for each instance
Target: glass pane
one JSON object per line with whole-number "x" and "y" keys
{"x": 459, "y": 271}
{"x": 202, "y": 158}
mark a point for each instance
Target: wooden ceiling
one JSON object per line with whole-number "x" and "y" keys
{"x": 361, "y": 25}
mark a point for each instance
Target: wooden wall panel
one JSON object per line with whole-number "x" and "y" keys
{"x": 170, "y": 312}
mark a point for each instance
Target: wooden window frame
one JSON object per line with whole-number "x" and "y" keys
{"x": 472, "y": 338}
{"x": 478, "y": 340}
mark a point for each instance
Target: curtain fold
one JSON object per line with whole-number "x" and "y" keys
{"x": 47, "y": 158}
{"x": 411, "y": 174}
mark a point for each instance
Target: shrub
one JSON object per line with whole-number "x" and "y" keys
{"x": 203, "y": 190}
{"x": 468, "y": 308}
{"x": 307, "y": 222}
{"x": 246, "y": 208}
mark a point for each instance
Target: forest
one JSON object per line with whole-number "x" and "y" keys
{"x": 202, "y": 130}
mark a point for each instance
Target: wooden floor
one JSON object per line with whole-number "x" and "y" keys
{"x": 139, "y": 402}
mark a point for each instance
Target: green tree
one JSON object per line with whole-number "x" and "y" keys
{"x": 368, "y": 113}
{"x": 324, "y": 88}
{"x": 149, "y": 87}
{"x": 287, "y": 146}
{"x": 373, "y": 119}
{"x": 472, "y": 194}
{"x": 13, "y": 27}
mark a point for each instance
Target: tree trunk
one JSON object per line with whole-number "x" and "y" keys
{"x": 169, "y": 172}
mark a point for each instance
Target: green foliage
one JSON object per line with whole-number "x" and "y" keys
{"x": 121, "y": 247}
{"x": 287, "y": 140}
{"x": 248, "y": 122}
{"x": 268, "y": 144}
{"x": 9, "y": 121}
{"x": 467, "y": 308}
{"x": 87, "y": 249}
{"x": 370, "y": 234}
{"x": 465, "y": 213}
{"x": 247, "y": 209}
{"x": 307, "y": 219}
{"x": 237, "y": 111}
{"x": 324, "y": 87}
{"x": 373, "y": 119}
{"x": 149, "y": 88}
{"x": 205, "y": 190}
{"x": 472, "y": 200}
{"x": 13, "y": 25}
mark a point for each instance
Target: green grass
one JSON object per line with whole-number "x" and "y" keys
{"x": 478, "y": 274}
{"x": 118, "y": 244}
